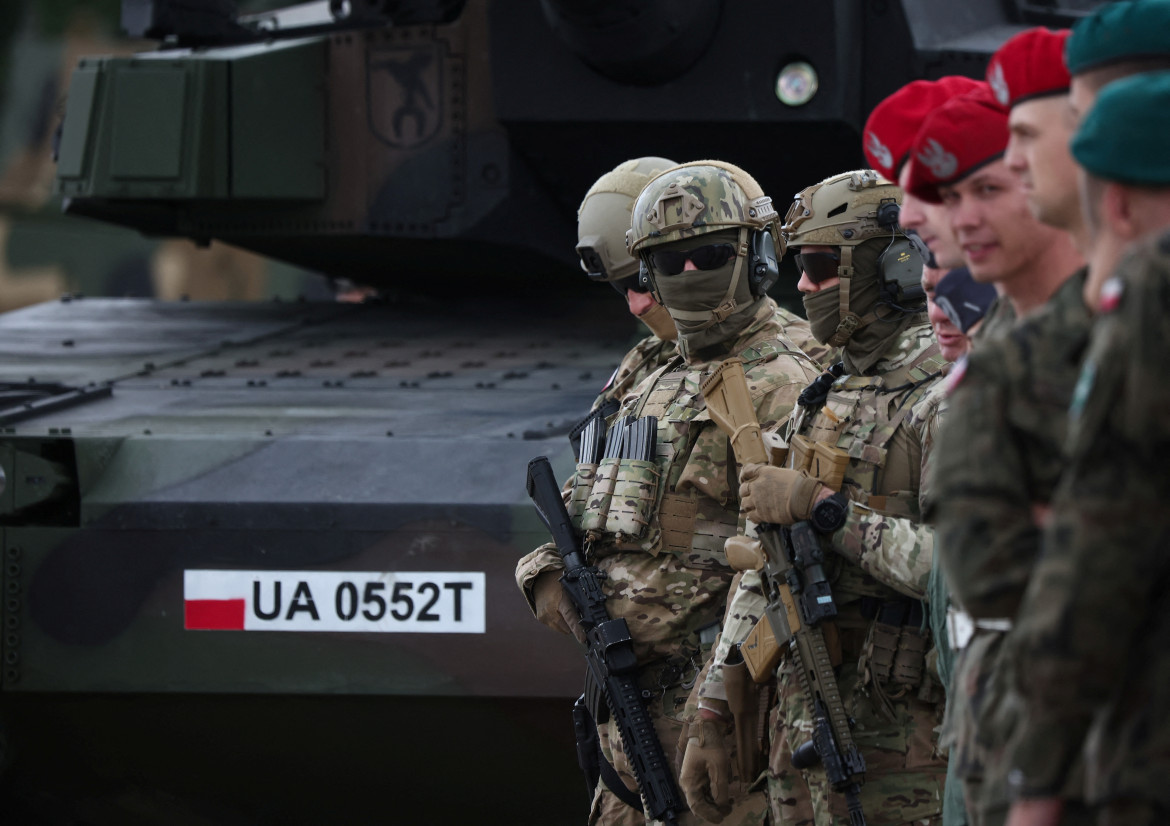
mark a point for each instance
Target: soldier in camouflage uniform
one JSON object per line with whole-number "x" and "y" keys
{"x": 999, "y": 455}
{"x": 856, "y": 297}
{"x": 695, "y": 228}
{"x": 1089, "y": 647}
{"x": 602, "y": 221}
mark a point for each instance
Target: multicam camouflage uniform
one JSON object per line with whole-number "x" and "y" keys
{"x": 643, "y": 359}
{"x": 883, "y": 416}
{"x": 797, "y": 329}
{"x": 998, "y": 461}
{"x": 883, "y": 555}
{"x": 1088, "y": 651}
{"x": 672, "y": 584}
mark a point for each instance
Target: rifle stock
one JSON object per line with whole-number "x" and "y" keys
{"x": 794, "y": 620}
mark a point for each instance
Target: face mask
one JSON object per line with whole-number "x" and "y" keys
{"x": 824, "y": 312}
{"x": 659, "y": 322}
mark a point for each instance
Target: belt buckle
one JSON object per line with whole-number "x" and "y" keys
{"x": 960, "y": 628}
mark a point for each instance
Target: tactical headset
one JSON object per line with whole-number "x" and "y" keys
{"x": 900, "y": 266}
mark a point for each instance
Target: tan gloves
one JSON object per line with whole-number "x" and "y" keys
{"x": 776, "y": 495}
{"x": 553, "y": 607}
{"x": 706, "y": 770}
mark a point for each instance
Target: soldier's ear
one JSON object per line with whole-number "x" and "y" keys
{"x": 1121, "y": 211}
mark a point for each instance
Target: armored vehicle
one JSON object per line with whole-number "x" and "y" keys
{"x": 257, "y": 557}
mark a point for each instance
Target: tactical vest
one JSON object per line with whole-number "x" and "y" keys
{"x": 861, "y": 416}
{"x": 657, "y": 507}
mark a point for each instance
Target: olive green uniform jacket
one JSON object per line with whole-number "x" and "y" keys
{"x": 1090, "y": 648}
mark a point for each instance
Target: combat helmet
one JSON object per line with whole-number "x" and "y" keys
{"x": 604, "y": 218}
{"x": 846, "y": 211}
{"x": 701, "y": 197}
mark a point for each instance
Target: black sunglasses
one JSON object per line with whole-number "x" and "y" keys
{"x": 818, "y": 266}
{"x": 709, "y": 257}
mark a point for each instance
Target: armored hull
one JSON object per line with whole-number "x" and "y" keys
{"x": 277, "y": 542}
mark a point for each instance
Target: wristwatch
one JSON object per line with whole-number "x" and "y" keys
{"x": 829, "y": 514}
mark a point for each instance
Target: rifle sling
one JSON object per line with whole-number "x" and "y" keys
{"x": 613, "y": 782}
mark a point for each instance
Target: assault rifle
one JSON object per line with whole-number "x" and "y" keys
{"x": 799, "y": 598}
{"x": 612, "y": 663}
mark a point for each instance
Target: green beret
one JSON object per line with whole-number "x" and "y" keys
{"x": 1123, "y": 137}
{"x": 1126, "y": 30}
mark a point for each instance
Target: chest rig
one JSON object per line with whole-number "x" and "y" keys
{"x": 685, "y": 502}
{"x": 861, "y": 415}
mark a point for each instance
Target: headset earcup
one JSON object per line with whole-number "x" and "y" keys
{"x": 900, "y": 268}
{"x": 763, "y": 266}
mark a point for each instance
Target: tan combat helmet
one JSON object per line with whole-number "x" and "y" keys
{"x": 701, "y": 197}
{"x": 604, "y": 217}
{"x": 847, "y": 210}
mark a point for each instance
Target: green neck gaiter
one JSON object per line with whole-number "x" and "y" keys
{"x": 823, "y": 310}
{"x": 869, "y": 341}
{"x": 697, "y": 294}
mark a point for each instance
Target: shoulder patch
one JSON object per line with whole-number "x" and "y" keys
{"x": 1111, "y": 292}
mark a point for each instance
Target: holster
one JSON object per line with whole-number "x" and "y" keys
{"x": 760, "y": 652}
{"x": 748, "y": 701}
{"x": 588, "y": 748}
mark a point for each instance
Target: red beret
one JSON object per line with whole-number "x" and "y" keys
{"x": 961, "y": 136}
{"x": 892, "y": 124}
{"x": 1029, "y": 65}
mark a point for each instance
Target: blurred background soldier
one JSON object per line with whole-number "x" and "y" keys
{"x": 889, "y": 135}
{"x": 863, "y": 294}
{"x": 999, "y": 454}
{"x": 964, "y": 302}
{"x": 602, "y": 221}
{"x": 1118, "y": 40}
{"x": 1089, "y": 648}
{"x": 700, "y": 229}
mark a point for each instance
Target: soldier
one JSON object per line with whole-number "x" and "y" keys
{"x": 602, "y": 221}
{"x": 999, "y": 456}
{"x": 964, "y": 302}
{"x": 1118, "y": 40}
{"x": 701, "y": 230}
{"x": 958, "y": 162}
{"x": 858, "y": 293}
{"x": 889, "y": 136}
{"x": 955, "y": 304}
{"x": 1089, "y": 648}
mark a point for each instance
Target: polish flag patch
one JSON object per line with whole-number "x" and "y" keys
{"x": 1111, "y": 292}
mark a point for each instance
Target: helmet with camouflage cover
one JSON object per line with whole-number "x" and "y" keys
{"x": 695, "y": 198}
{"x": 857, "y": 213}
{"x": 707, "y": 203}
{"x": 842, "y": 210}
{"x": 604, "y": 218}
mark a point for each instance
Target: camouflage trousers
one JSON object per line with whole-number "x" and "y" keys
{"x": 905, "y": 775}
{"x": 669, "y": 711}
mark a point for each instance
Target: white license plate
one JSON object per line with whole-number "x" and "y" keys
{"x": 368, "y": 601}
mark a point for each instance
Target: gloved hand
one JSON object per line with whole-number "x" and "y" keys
{"x": 553, "y": 606}
{"x": 777, "y": 495}
{"x": 706, "y": 770}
